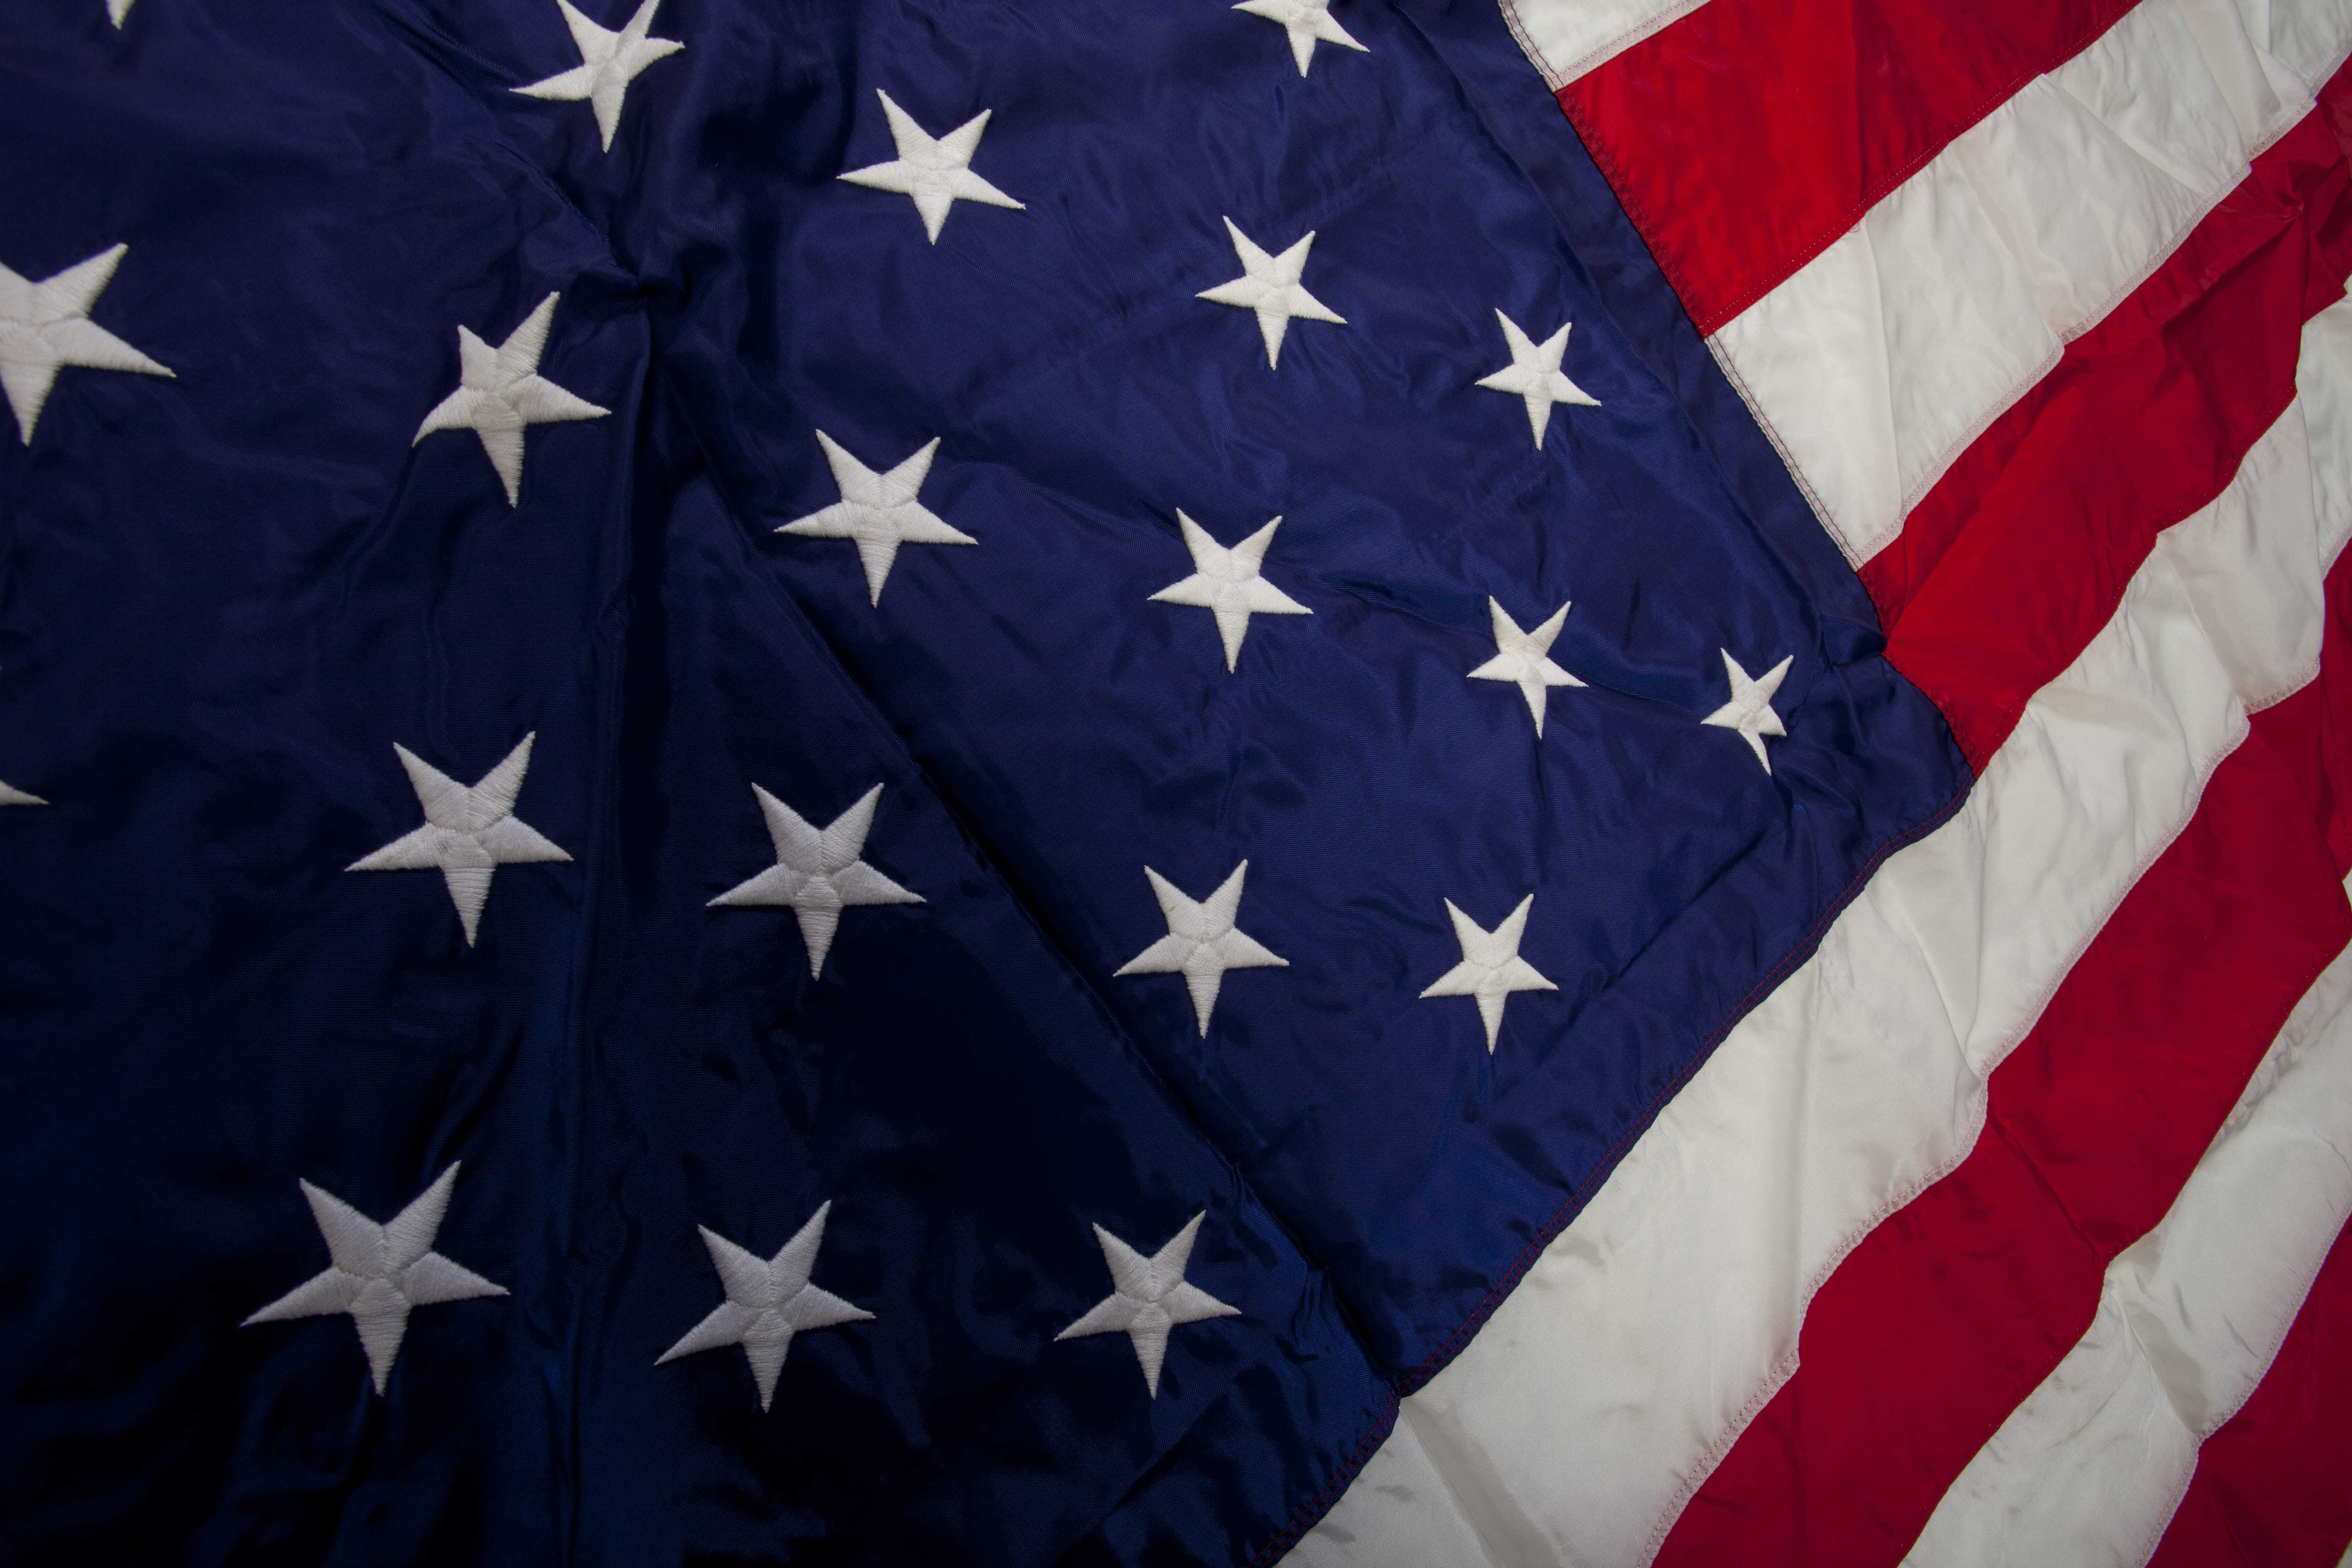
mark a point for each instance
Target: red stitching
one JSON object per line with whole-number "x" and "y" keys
{"x": 1313, "y": 1508}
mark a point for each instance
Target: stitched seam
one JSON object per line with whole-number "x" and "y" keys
{"x": 1722, "y": 357}
{"x": 1313, "y": 1508}
{"x": 1790, "y": 961}
{"x": 1552, "y": 79}
{"x": 1601, "y": 54}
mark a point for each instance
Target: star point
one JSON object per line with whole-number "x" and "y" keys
{"x": 378, "y": 1273}
{"x": 1269, "y": 285}
{"x": 935, "y": 171}
{"x": 1491, "y": 968}
{"x": 116, "y": 10}
{"x": 1524, "y": 659}
{"x": 1201, "y": 942}
{"x": 1149, "y": 1297}
{"x": 1534, "y": 375}
{"x": 610, "y": 60}
{"x": 1749, "y": 711}
{"x": 1226, "y": 583}
{"x": 469, "y": 831}
{"x": 818, "y": 872}
{"x": 13, "y": 796}
{"x": 769, "y": 1299}
{"x": 45, "y": 327}
{"x": 876, "y": 512}
{"x": 500, "y": 395}
{"x": 1307, "y": 22}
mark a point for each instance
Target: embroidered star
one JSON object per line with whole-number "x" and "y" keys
{"x": 1534, "y": 374}
{"x": 767, "y": 1301}
{"x": 1269, "y": 285}
{"x": 379, "y": 1272}
{"x": 46, "y": 326}
{"x": 609, "y": 62}
{"x": 1524, "y": 659}
{"x": 878, "y": 512}
{"x": 936, "y": 171}
{"x": 1749, "y": 711}
{"x": 116, "y": 10}
{"x": 500, "y": 394}
{"x": 1226, "y": 583}
{"x": 1148, "y": 1297}
{"x": 467, "y": 834}
{"x": 1305, "y": 21}
{"x": 817, "y": 874}
{"x": 9, "y": 796}
{"x": 1491, "y": 967}
{"x": 1201, "y": 942}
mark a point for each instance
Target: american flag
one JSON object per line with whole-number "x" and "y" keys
{"x": 1368, "y": 782}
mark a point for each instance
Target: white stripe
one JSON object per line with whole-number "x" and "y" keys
{"x": 1876, "y": 364}
{"x": 2089, "y": 1468}
{"x": 1565, "y": 38}
{"x": 1619, "y": 1371}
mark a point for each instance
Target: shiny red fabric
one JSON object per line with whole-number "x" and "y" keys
{"x": 1953, "y": 1310}
{"x": 2271, "y": 1488}
{"x": 2037, "y": 528}
{"x": 1746, "y": 136}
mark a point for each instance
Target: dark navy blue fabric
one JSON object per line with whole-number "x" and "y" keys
{"x": 225, "y": 597}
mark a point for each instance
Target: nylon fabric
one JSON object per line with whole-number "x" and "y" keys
{"x": 2143, "y": 422}
{"x": 2090, "y": 1465}
{"x": 2020, "y": 235}
{"x": 1948, "y": 1314}
{"x": 1667, "y": 1314}
{"x": 1750, "y": 134}
{"x": 2269, "y": 1488}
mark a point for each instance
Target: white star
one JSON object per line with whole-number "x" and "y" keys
{"x": 1148, "y": 1297}
{"x": 1491, "y": 967}
{"x": 1305, "y": 21}
{"x": 817, "y": 874}
{"x": 1226, "y": 583}
{"x": 936, "y": 171}
{"x": 467, "y": 834}
{"x": 9, "y": 796}
{"x": 877, "y": 511}
{"x": 1534, "y": 374}
{"x": 116, "y": 10}
{"x": 767, "y": 1301}
{"x": 609, "y": 62}
{"x": 1749, "y": 711}
{"x": 46, "y": 326}
{"x": 1524, "y": 659}
{"x": 1269, "y": 285}
{"x": 379, "y": 1272}
{"x": 1201, "y": 942}
{"x": 500, "y": 394}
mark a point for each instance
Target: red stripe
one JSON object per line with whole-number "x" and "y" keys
{"x": 1953, "y": 1311}
{"x": 1746, "y": 136}
{"x": 2271, "y": 1488}
{"x": 2274, "y": 1486}
{"x": 2017, "y": 557}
